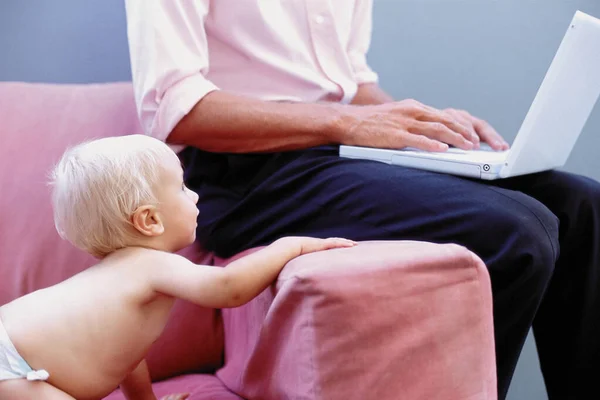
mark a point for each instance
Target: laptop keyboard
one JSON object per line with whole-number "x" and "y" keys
{"x": 482, "y": 147}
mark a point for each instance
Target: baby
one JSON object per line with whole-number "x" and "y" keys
{"x": 123, "y": 200}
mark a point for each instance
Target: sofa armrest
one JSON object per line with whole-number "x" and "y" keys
{"x": 382, "y": 320}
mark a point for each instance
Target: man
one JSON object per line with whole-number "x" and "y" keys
{"x": 261, "y": 93}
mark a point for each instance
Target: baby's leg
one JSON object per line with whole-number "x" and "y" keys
{"x": 22, "y": 389}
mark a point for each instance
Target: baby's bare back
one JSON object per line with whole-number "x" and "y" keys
{"x": 90, "y": 331}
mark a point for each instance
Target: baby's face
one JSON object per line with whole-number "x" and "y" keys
{"x": 177, "y": 205}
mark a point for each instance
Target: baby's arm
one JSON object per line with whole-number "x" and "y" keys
{"x": 137, "y": 384}
{"x": 240, "y": 281}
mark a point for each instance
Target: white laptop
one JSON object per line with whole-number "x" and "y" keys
{"x": 551, "y": 128}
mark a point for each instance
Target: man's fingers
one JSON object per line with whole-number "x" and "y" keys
{"x": 409, "y": 123}
{"x": 465, "y": 119}
{"x": 483, "y": 129}
{"x": 441, "y": 133}
{"x": 447, "y": 119}
{"x": 489, "y": 135}
{"x": 424, "y": 143}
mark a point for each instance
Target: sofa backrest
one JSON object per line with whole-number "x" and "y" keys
{"x": 37, "y": 123}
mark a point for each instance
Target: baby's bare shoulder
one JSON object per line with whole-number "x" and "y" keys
{"x": 132, "y": 273}
{"x": 144, "y": 264}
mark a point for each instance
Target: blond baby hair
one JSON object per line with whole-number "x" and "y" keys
{"x": 97, "y": 186}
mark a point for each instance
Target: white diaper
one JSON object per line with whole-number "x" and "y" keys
{"x": 12, "y": 365}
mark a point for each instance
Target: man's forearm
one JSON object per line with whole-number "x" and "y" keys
{"x": 223, "y": 122}
{"x": 228, "y": 123}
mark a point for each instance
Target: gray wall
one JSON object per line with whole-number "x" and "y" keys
{"x": 487, "y": 56}
{"x": 66, "y": 41}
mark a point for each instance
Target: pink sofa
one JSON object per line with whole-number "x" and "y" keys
{"x": 384, "y": 320}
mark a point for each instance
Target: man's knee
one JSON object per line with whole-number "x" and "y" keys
{"x": 527, "y": 236}
{"x": 585, "y": 196}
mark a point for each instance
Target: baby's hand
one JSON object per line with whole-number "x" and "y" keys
{"x": 177, "y": 396}
{"x": 310, "y": 245}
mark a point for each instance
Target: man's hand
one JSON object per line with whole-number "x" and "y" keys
{"x": 481, "y": 128}
{"x": 408, "y": 123}
{"x": 177, "y": 396}
{"x": 303, "y": 245}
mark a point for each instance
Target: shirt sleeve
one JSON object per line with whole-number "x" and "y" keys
{"x": 169, "y": 59}
{"x": 360, "y": 40}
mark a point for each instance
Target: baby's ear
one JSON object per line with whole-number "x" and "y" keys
{"x": 147, "y": 221}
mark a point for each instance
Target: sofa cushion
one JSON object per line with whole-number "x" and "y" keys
{"x": 38, "y": 122}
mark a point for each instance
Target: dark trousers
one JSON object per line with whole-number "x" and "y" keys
{"x": 539, "y": 236}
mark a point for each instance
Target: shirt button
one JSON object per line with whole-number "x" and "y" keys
{"x": 319, "y": 19}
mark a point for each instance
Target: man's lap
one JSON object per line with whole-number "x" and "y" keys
{"x": 317, "y": 193}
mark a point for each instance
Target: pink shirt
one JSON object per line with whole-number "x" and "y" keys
{"x": 274, "y": 50}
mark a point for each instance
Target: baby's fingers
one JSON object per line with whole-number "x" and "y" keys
{"x": 310, "y": 245}
{"x": 332, "y": 243}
